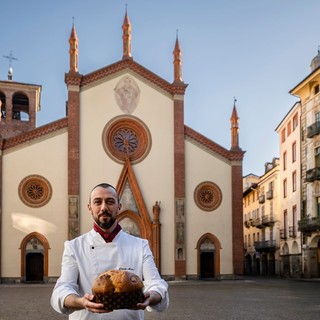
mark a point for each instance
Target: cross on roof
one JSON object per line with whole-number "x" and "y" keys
{"x": 10, "y": 57}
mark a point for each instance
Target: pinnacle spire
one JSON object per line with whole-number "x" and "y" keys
{"x": 73, "y": 51}
{"x": 234, "y": 127}
{"x": 177, "y": 62}
{"x": 126, "y": 27}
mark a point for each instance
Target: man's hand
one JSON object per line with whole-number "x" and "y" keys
{"x": 151, "y": 298}
{"x": 75, "y": 302}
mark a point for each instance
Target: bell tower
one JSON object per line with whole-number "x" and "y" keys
{"x": 19, "y": 103}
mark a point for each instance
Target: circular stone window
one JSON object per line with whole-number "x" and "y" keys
{"x": 35, "y": 191}
{"x": 125, "y": 137}
{"x": 207, "y": 196}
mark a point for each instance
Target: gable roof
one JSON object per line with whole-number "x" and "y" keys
{"x": 171, "y": 88}
{"x": 230, "y": 155}
{"x": 35, "y": 133}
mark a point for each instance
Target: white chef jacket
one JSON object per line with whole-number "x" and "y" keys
{"x": 87, "y": 256}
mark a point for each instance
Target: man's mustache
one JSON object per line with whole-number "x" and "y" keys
{"x": 105, "y": 212}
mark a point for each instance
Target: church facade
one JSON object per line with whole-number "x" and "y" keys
{"x": 124, "y": 125}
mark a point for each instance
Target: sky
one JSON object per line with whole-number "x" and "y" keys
{"x": 254, "y": 51}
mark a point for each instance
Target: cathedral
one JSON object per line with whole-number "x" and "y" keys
{"x": 124, "y": 125}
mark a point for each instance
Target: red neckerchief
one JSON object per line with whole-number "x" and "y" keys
{"x": 108, "y": 237}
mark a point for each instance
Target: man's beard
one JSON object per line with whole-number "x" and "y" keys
{"x": 105, "y": 224}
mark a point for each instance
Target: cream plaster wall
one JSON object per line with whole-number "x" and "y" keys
{"x": 293, "y": 197}
{"x": 204, "y": 166}
{"x": 154, "y": 174}
{"x": 48, "y": 158}
{"x": 250, "y": 213}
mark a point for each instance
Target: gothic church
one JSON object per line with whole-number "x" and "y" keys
{"x": 178, "y": 189}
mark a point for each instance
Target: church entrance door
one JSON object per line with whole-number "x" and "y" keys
{"x": 207, "y": 264}
{"x": 34, "y": 267}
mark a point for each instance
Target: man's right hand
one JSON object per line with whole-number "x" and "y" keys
{"x": 75, "y": 302}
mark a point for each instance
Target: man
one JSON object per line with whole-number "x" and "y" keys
{"x": 104, "y": 248}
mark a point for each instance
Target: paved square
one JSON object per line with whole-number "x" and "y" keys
{"x": 250, "y": 299}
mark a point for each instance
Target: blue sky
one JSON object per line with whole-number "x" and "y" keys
{"x": 254, "y": 50}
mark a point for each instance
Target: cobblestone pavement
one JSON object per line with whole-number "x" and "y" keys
{"x": 250, "y": 299}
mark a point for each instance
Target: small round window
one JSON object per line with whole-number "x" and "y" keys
{"x": 35, "y": 191}
{"x": 207, "y": 196}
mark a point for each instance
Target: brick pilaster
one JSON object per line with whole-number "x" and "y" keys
{"x": 179, "y": 187}
{"x": 73, "y": 82}
{"x": 237, "y": 219}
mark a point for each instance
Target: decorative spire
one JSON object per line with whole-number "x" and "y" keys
{"x": 177, "y": 62}
{"x": 73, "y": 51}
{"x": 234, "y": 127}
{"x": 126, "y": 27}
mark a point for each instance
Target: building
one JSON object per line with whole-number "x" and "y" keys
{"x": 309, "y": 224}
{"x": 290, "y": 193}
{"x": 124, "y": 125}
{"x": 250, "y": 232}
{"x": 261, "y": 222}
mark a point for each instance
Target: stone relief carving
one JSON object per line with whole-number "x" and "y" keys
{"x": 127, "y": 94}
{"x": 73, "y": 206}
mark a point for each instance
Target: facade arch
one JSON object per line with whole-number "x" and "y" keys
{"x": 314, "y": 242}
{"x": 208, "y": 256}
{"x": 295, "y": 248}
{"x": 34, "y": 258}
{"x": 131, "y": 223}
{"x": 285, "y": 249}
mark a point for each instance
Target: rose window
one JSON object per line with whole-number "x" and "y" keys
{"x": 207, "y": 196}
{"x": 126, "y": 141}
{"x": 126, "y": 137}
{"x": 35, "y": 191}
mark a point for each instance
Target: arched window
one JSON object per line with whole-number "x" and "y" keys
{"x": 20, "y": 107}
{"x": 3, "y": 105}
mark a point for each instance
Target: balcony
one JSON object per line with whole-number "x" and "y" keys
{"x": 292, "y": 232}
{"x": 269, "y": 194}
{"x": 257, "y": 222}
{"x": 283, "y": 234}
{"x": 313, "y": 174}
{"x": 268, "y": 220}
{"x": 313, "y": 130}
{"x": 262, "y": 198}
{"x": 309, "y": 224}
{"x": 267, "y": 245}
{"x": 247, "y": 224}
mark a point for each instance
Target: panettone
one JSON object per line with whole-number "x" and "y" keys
{"x": 118, "y": 289}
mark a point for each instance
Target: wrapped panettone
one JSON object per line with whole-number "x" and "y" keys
{"x": 118, "y": 289}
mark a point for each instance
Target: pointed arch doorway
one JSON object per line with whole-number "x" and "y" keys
{"x": 34, "y": 258}
{"x": 208, "y": 248}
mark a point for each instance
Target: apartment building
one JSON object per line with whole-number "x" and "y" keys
{"x": 250, "y": 233}
{"x": 308, "y": 90}
{"x": 261, "y": 203}
{"x": 290, "y": 191}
